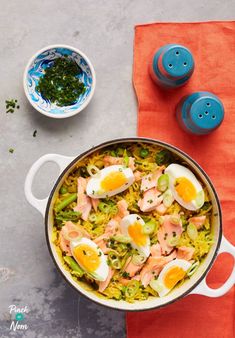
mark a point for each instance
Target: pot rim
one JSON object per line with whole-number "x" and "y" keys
{"x": 134, "y": 139}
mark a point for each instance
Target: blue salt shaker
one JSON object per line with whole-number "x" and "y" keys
{"x": 200, "y": 113}
{"x": 171, "y": 66}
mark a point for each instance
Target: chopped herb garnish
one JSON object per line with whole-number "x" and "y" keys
{"x": 125, "y": 274}
{"x": 150, "y": 201}
{"x": 60, "y": 83}
{"x": 35, "y": 133}
{"x": 84, "y": 252}
{"x": 174, "y": 234}
{"x": 11, "y": 150}
{"x": 11, "y": 105}
{"x": 99, "y": 254}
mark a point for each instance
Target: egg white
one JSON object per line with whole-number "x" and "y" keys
{"x": 181, "y": 263}
{"x": 101, "y": 273}
{"x": 124, "y": 225}
{"x": 175, "y": 171}
{"x": 94, "y": 189}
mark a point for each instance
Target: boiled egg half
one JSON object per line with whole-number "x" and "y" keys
{"x": 132, "y": 226}
{"x": 185, "y": 187}
{"x": 90, "y": 258}
{"x": 110, "y": 181}
{"x": 171, "y": 274}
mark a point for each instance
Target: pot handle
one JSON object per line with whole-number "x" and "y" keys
{"x": 61, "y": 161}
{"x": 204, "y": 289}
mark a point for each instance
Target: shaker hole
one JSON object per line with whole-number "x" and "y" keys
{"x": 206, "y": 113}
{"x": 200, "y": 116}
{"x": 185, "y": 63}
{"x": 170, "y": 65}
{"x": 208, "y": 104}
{"x": 213, "y": 116}
{"x": 177, "y": 53}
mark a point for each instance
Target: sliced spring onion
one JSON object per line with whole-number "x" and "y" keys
{"x": 200, "y": 199}
{"x": 192, "y": 269}
{"x": 192, "y": 231}
{"x": 125, "y": 158}
{"x": 63, "y": 190}
{"x": 74, "y": 266}
{"x": 175, "y": 219}
{"x": 92, "y": 218}
{"x": 92, "y": 170}
{"x": 161, "y": 220}
{"x": 138, "y": 259}
{"x": 149, "y": 227}
{"x": 132, "y": 288}
{"x": 122, "y": 238}
{"x": 163, "y": 182}
{"x": 114, "y": 260}
{"x": 168, "y": 198}
{"x": 116, "y": 264}
{"x": 68, "y": 200}
{"x": 144, "y": 152}
{"x": 125, "y": 258}
{"x": 156, "y": 285}
{"x": 173, "y": 241}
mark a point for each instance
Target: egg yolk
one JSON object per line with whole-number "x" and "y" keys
{"x": 185, "y": 189}
{"x": 88, "y": 257}
{"x": 136, "y": 233}
{"x": 113, "y": 180}
{"x": 173, "y": 276}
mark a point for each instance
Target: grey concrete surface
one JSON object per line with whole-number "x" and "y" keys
{"x": 103, "y": 29}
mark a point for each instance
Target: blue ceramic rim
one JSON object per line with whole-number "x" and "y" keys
{"x": 87, "y": 100}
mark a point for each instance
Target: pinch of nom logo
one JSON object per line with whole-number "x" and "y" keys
{"x": 18, "y": 315}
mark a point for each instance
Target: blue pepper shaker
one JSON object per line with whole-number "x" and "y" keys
{"x": 171, "y": 66}
{"x": 200, "y": 113}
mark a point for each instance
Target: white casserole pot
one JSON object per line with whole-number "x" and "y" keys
{"x": 195, "y": 285}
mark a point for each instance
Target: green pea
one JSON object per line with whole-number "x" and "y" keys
{"x": 63, "y": 190}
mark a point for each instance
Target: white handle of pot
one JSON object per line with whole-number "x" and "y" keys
{"x": 204, "y": 289}
{"x": 61, "y": 161}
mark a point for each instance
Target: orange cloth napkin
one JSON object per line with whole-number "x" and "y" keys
{"x": 213, "y": 47}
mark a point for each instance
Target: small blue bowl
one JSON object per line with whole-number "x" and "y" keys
{"x": 35, "y": 69}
